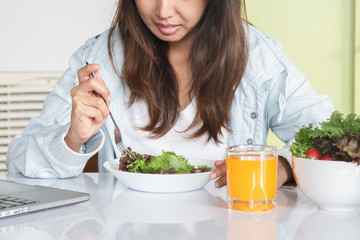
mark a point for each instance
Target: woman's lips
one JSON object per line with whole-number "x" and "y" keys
{"x": 168, "y": 29}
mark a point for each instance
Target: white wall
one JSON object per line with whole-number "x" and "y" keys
{"x": 41, "y": 35}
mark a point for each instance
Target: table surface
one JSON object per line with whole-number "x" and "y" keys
{"x": 117, "y": 212}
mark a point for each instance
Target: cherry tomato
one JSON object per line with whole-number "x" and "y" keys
{"x": 313, "y": 153}
{"x": 326, "y": 157}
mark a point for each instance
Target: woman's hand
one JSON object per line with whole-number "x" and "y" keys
{"x": 89, "y": 110}
{"x": 220, "y": 173}
{"x": 284, "y": 173}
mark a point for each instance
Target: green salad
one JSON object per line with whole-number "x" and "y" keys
{"x": 166, "y": 163}
{"x": 337, "y": 138}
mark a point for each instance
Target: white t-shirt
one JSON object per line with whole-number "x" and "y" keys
{"x": 176, "y": 140}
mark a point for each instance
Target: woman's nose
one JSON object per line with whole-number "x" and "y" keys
{"x": 165, "y": 8}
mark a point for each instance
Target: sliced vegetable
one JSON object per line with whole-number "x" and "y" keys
{"x": 326, "y": 157}
{"x": 313, "y": 154}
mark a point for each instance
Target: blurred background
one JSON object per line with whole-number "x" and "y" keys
{"x": 322, "y": 38}
{"x": 38, "y": 37}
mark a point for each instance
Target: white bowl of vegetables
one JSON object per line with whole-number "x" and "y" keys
{"x": 166, "y": 173}
{"x": 326, "y": 161}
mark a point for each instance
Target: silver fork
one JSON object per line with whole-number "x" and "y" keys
{"x": 118, "y": 139}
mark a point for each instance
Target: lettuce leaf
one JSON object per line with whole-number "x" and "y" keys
{"x": 167, "y": 161}
{"x": 303, "y": 141}
{"x": 338, "y": 136}
{"x": 333, "y": 128}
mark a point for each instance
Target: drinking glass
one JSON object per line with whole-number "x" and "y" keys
{"x": 251, "y": 172}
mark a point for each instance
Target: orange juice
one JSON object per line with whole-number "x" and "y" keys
{"x": 251, "y": 181}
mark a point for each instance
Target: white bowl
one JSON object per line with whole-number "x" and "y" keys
{"x": 333, "y": 185}
{"x": 161, "y": 183}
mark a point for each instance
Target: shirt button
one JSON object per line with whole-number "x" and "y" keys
{"x": 253, "y": 115}
{"x": 249, "y": 141}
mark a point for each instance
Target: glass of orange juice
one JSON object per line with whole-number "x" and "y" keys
{"x": 251, "y": 172}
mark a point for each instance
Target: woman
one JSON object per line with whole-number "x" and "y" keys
{"x": 185, "y": 76}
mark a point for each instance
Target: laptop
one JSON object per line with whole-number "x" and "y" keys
{"x": 18, "y": 198}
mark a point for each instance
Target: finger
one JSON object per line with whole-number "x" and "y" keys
{"x": 95, "y": 74}
{"x": 92, "y": 113}
{"x": 84, "y": 72}
{"x": 95, "y": 105}
{"x": 90, "y": 72}
{"x": 105, "y": 93}
{"x": 98, "y": 86}
{"x": 218, "y": 163}
{"x": 222, "y": 181}
{"x": 219, "y": 171}
{"x": 91, "y": 86}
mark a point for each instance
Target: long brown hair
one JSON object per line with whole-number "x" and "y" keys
{"x": 218, "y": 60}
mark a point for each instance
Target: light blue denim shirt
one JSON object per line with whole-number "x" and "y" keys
{"x": 273, "y": 94}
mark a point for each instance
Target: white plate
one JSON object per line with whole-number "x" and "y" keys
{"x": 161, "y": 183}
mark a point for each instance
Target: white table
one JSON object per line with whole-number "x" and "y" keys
{"x": 116, "y": 212}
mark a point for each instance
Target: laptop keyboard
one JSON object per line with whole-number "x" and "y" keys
{"x": 8, "y": 202}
